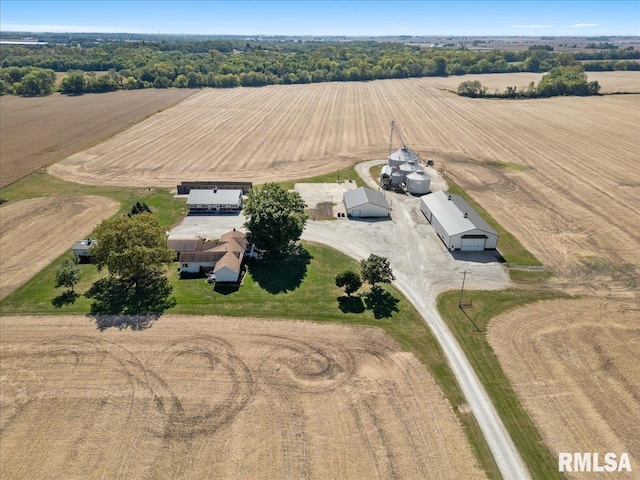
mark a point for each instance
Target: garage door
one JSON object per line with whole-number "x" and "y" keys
{"x": 472, "y": 244}
{"x": 355, "y": 213}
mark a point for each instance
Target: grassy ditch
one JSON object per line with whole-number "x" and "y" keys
{"x": 465, "y": 325}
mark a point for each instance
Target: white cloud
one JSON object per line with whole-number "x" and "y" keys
{"x": 581, "y": 25}
{"x": 531, "y": 26}
{"x": 13, "y": 27}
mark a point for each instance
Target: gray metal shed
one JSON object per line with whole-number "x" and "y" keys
{"x": 364, "y": 202}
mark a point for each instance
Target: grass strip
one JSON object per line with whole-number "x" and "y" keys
{"x": 347, "y": 174}
{"x": 486, "y": 306}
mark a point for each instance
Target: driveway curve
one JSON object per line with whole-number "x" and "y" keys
{"x": 421, "y": 276}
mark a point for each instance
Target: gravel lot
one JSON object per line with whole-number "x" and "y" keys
{"x": 406, "y": 239}
{"x": 207, "y": 226}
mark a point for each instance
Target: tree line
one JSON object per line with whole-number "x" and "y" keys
{"x": 562, "y": 80}
{"x": 233, "y": 63}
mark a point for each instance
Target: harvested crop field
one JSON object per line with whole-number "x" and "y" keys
{"x": 38, "y": 230}
{"x": 574, "y": 365}
{"x": 296, "y": 131}
{"x": 213, "y": 397}
{"x": 39, "y": 131}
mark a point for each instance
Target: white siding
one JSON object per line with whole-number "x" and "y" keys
{"x": 368, "y": 210}
{"x": 225, "y": 274}
{"x": 194, "y": 267}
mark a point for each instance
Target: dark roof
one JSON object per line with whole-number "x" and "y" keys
{"x": 207, "y": 256}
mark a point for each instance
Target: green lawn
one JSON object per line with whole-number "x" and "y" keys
{"x": 487, "y": 305}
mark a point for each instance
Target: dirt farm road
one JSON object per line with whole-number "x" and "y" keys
{"x": 419, "y": 284}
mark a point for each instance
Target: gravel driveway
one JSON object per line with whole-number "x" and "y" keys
{"x": 423, "y": 268}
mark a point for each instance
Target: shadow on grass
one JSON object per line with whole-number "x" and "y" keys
{"x": 68, "y": 297}
{"x": 223, "y": 289}
{"x": 381, "y": 302}
{"x": 350, "y": 304}
{"x": 122, "y": 322}
{"x": 469, "y": 318}
{"x": 125, "y": 303}
{"x": 281, "y": 274}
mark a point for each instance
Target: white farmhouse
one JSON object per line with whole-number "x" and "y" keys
{"x": 223, "y": 258}
{"x": 458, "y": 225}
{"x": 214, "y": 201}
{"x": 364, "y": 202}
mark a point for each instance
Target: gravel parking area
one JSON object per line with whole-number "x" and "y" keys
{"x": 207, "y": 226}
{"x": 408, "y": 241}
{"x": 314, "y": 193}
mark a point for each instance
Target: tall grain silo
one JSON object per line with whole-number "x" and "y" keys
{"x": 418, "y": 183}
{"x": 402, "y": 155}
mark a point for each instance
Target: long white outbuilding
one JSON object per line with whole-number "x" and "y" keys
{"x": 458, "y": 225}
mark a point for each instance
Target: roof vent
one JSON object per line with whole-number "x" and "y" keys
{"x": 466, "y": 215}
{"x": 449, "y": 197}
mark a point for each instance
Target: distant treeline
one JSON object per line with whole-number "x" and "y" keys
{"x": 232, "y": 63}
{"x": 562, "y": 80}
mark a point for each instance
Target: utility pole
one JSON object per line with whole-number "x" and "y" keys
{"x": 462, "y": 289}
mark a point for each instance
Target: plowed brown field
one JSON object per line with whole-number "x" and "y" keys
{"x": 36, "y": 231}
{"x": 575, "y": 368}
{"x": 211, "y": 397}
{"x": 39, "y": 131}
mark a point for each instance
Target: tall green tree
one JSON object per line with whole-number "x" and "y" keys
{"x": 68, "y": 274}
{"x": 134, "y": 250}
{"x": 350, "y": 280}
{"x": 39, "y": 81}
{"x": 376, "y": 269}
{"x": 73, "y": 83}
{"x": 275, "y": 218}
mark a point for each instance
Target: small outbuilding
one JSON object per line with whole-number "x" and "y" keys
{"x": 81, "y": 248}
{"x": 458, "y": 225}
{"x": 364, "y": 202}
{"x": 214, "y": 201}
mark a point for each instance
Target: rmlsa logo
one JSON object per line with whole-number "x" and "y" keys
{"x": 590, "y": 462}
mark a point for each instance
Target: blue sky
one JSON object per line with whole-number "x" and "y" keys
{"x": 521, "y": 18}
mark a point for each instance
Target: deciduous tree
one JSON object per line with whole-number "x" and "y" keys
{"x": 275, "y": 218}
{"x": 68, "y": 273}
{"x": 350, "y": 280}
{"x": 376, "y": 269}
{"x": 134, "y": 250}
